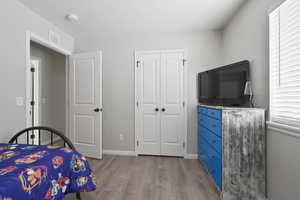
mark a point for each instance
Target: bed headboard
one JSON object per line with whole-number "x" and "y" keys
{"x": 39, "y": 130}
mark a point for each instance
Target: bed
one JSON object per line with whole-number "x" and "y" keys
{"x": 36, "y": 172}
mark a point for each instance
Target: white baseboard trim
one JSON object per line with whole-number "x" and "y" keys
{"x": 191, "y": 156}
{"x": 119, "y": 153}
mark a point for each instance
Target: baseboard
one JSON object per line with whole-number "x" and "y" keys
{"x": 119, "y": 153}
{"x": 191, "y": 156}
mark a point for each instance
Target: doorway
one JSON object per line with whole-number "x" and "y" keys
{"x": 66, "y": 96}
{"x": 48, "y": 89}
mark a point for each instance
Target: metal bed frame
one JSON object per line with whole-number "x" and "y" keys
{"x": 30, "y": 135}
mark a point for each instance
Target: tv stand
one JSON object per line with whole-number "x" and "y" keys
{"x": 231, "y": 146}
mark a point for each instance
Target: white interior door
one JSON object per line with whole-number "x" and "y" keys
{"x": 86, "y": 103}
{"x": 160, "y": 96}
{"x": 148, "y": 78}
{"x": 172, "y": 104}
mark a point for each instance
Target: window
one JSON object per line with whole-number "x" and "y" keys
{"x": 284, "y": 50}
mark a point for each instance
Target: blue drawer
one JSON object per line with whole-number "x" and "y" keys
{"x": 215, "y": 126}
{"x": 212, "y": 139}
{"x": 215, "y": 166}
{"x": 216, "y": 114}
{"x": 202, "y": 133}
{"x": 203, "y": 120}
{"x": 199, "y": 145}
{"x": 203, "y": 152}
{"x": 202, "y": 110}
{"x": 200, "y": 148}
{"x": 200, "y": 120}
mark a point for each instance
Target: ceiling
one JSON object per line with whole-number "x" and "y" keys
{"x": 136, "y": 16}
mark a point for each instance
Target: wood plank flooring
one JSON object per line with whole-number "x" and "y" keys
{"x": 149, "y": 178}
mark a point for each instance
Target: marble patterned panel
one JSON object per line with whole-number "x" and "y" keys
{"x": 244, "y": 156}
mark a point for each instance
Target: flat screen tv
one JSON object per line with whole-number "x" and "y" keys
{"x": 224, "y": 86}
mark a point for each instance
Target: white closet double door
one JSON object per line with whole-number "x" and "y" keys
{"x": 160, "y": 113}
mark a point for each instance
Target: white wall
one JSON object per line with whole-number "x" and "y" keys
{"x": 246, "y": 37}
{"x": 15, "y": 19}
{"x": 204, "y": 50}
{"x": 52, "y": 87}
{"x": 283, "y": 166}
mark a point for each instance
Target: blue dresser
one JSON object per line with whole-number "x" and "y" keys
{"x": 210, "y": 142}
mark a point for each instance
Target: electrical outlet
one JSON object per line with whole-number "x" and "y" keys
{"x": 121, "y": 137}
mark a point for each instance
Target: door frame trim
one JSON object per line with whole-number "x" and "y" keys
{"x": 32, "y": 37}
{"x": 185, "y": 73}
{"x": 37, "y": 79}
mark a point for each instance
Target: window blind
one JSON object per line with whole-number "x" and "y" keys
{"x": 284, "y": 44}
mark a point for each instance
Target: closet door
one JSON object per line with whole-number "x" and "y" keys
{"x": 148, "y": 104}
{"x": 172, "y": 104}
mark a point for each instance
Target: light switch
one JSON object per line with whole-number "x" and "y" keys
{"x": 19, "y": 101}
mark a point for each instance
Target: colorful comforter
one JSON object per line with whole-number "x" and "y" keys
{"x": 42, "y": 172}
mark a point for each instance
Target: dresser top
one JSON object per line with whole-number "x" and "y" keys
{"x": 229, "y": 108}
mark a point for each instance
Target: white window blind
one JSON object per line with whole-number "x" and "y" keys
{"x": 284, "y": 29}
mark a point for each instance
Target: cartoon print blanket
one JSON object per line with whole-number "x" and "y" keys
{"x": 30, "y": 172}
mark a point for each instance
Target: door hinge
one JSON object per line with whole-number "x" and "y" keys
{"x": 32, "y": 69}
{"x": 137, "y": 104}
{"x": 137, "y": 143}
{"x": 183, "y": 62}
{"x": 183, "y": 145}
{"x": 138, "y": 63}
{"x": 183, "y": 104}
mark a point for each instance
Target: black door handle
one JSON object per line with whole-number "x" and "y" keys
{"x": 97, "y": 109}
{"x": 156, "y": 109}
{"x": 163, "y": 109}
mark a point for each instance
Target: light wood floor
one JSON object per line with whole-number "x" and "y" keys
{"x": 150, "y": 178}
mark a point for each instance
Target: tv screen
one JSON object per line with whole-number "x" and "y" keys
{"x": 224, "y": 85}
